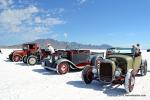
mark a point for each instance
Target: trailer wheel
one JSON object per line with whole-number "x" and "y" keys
{"x": 87, "y": 75}
{"x": 63, "y": 68}
{"x": 32, "y": 60}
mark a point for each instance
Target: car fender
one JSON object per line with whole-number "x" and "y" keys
{"x": 73, "y": 66}
{"x": 17, "y": 55}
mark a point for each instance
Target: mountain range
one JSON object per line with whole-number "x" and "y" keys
{"x": 62, "y": 45}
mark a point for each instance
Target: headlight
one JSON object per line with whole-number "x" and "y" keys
{"x": 94, "y": 70}
{"x": 118, "y": 72}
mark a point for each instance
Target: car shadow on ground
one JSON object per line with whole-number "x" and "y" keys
{"x": 45, "y": 72}
{"x": 7, "y": 60}
{"x": 105, "y": 88}
{"x": 21, "y": 64}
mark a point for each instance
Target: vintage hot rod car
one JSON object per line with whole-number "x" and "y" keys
{"x": 118, "y": 68}
{"x": 64, "y": 60}
{"x": 18, "y": 55}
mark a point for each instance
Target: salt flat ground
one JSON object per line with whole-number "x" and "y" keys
{"x": 21, "y": 82}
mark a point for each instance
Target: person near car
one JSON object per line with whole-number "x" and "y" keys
{"x": 50, "y": 48}
{"x": 133, "y": 50}
{"x": 137, "y": 48}
{"x": 51, "y": 51}
{"x": 0, "y": 51}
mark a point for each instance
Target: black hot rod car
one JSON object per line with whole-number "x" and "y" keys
{"x": 64, "y": 60}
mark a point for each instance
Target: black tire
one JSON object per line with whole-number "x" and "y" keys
{"x": 16, "y": 58}
{"x": 32, "y": 60}
{"x": 63, "y": 68}
{"x": 24, "y": 59}
{"x": 87, "y": 75}
{"x": 143, "y": 70}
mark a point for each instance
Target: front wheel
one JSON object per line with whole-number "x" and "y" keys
{"x": 32, "y": 60}
{"x": 143, "y": 70}
{"x": 87, "y": 75}
{"x": 129, "y": 82}
{"x": 63, "y": 68}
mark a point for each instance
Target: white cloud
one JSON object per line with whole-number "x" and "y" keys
{"x": 65, "y": 35}
{"x": 48, "y": 21}
{"x": 29, "y": 22}
{"x": 14, "y": 19}
{"x": 5, "y": 3}
{"x": 82, "y": 1}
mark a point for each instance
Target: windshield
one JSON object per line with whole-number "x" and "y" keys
{"x": 120, "y": 50}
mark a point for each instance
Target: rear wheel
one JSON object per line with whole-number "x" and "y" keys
{"x": 16, "y": 58}
{"x": 87, "y": 75}
{"x": 32, "y": 60}
{"x": 143, "y": 70}
{"x": 24, "y": 59}
{"x": 129, "y": 82}
{"x": 63, "y": 68}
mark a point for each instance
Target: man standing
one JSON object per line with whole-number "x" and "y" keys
{"x": 0, "y": 51}
{"x": 50, "y": 48}
{"x": 138, "y": 48}
{"x": 133, "y": 50}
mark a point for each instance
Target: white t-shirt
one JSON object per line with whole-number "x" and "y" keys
{"x": 51, "y": 49}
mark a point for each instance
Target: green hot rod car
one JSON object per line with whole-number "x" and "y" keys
{"x": 118, "y": 68}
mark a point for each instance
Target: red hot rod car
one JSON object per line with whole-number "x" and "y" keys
{"x": 18, "y": 55}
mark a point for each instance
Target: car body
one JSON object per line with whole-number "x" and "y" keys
{"x": 148, "y": 50}
{"x": 64, "y": 60}
{"x": 18, "y": 55}
{"x": 116, "y": 69}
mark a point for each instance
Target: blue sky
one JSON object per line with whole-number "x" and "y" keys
{"x": 115, "y": 22}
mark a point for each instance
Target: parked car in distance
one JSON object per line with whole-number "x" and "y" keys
{"x": 120, "y": 68}
{"x": 18, "y": 55}
{"x": 64, "y": 60}
{"x": 148, "y": 50}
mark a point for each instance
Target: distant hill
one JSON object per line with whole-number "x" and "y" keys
{"x": 63, "y": 45}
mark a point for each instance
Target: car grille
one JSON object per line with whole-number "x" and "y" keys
{"x": 106, "y": 72}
